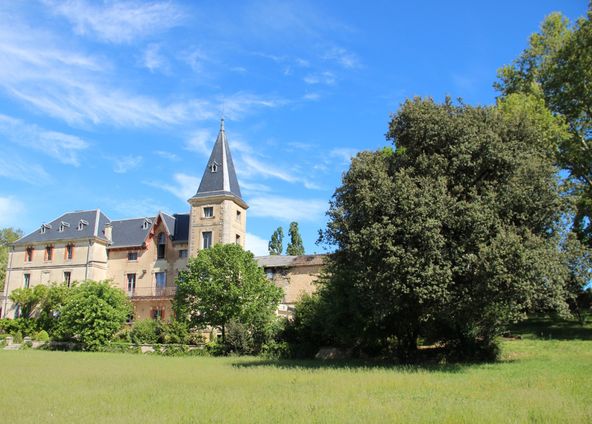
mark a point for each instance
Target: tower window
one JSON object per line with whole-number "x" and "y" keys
{"x": 207, "y": 239}
{"x": 161, "y": 246}
{"x": 213, "y": 167}
{"x": 238, "y": 215}
{"x": 238, "y": 239}
{"x": 208, "y": 212}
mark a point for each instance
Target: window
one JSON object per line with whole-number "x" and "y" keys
{"x": 158, "y": 313}
{"x": 48, "y": 253}
{"x": 208, "y": 212}
{"x": 67, "y": 277}
{"x": 207, "y": 239}
{"x": 44, "y": 228}
{"x": 69, "y": 251}
{"x": 82, "y": 224}
{"x": 29, "y": 254}
{"x": 147, "y": 222}
{"x": 183, "y": 253}
{"x": 237, "y": 239}
{"x": 214, "y": 167}
{"x": 132, "y": 256}
{"x": 131, "y": 283}
{"x": 238, "y": 215}
{"x": 161, "y": 246}
{"x": 160, "y": 280}
{"x": 63, "y": 226}
{"x": 26, "y": 280}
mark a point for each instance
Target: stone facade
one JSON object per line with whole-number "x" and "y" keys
{"x": 143, "y": 256}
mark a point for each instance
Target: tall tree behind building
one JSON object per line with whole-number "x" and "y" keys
{"x": 557, "y": 67}
{"x": 7, "y": 236}
{"x": 295, "y": 247}
{"x": 276, "y": 244}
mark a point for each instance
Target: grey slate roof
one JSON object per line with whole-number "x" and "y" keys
{"x": 181, "y": 233}
{"x": 95, "y": 223}
{"x": 129, "y": 232}
{"x": 223, "y": 180}
{"x": 285, "y": 261}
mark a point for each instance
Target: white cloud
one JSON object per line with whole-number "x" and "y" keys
{"x": 325, "y": 77}
{"x": 154, "y": 60}
{"x": 134, "y": 207}
{"x": 201, "y": 141}
{"x": 15, "y": 168}
{"x": 312, "y": 96}
{"x": 123, "y": 164}
{"x": 166, "y": 155}
{"x": 343, "y": 153}
{"x": 184, "y": 187}
{"x": 343, "y": 57}
{"x": 119, "y": 21}
{"x": 256, "y": 245}
{"x": 63, "y": 147}
{"x": 287, "y": 209}
{"x": 11, "y": 211}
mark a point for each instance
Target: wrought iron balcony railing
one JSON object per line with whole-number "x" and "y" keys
{"x": 151, "y": 292}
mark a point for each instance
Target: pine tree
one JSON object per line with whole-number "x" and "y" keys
{"x": 276, "y": 245}
{"x": 295, "y": 247}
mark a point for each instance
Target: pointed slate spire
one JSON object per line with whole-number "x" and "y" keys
{"x": 219, "y": 176}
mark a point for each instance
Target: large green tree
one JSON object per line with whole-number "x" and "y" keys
{"x": 92, "y": 313}
{"x": 276, "y": 244}
{"x": 27, "y": 299}
{"x": 7, "y": 236}
{"x": 451, "y": 235}
{"x": 225, "y": 284}
{"x": 557, "y": 66}
{"x": 295, "y": 247}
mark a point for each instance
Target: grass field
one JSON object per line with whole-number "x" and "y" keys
{"x": 537, "y": 381}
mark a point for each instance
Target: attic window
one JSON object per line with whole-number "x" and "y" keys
{"x": 82, "y": 224}
{"x": 147, "y": 222}
{"x": 45, "y": 227}
{"x": 213, "y": 167}
{"x": 63, "y": 226}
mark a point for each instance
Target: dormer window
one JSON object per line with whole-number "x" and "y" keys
{"x": 82, "y": 224}
{"x": 146, "y": 224}
{"x": 63, "y": 226}
{"x": 45, "y": 227}
{"x": 214, "y": 167}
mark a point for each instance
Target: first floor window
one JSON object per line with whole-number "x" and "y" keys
{"x": 48, "y": 253}
{"x": 27, "y": 281}
{"x": 160, "y": 280}
{"x": 67, "y": 277}
{"x": 207, "y": 239}
{"x": 131, "y": 282}
{"x": 237, "y": 239}
{"x": 29, "y": 254}
{"x": 208, "y": 212}
{"x": 132, "y": 256}
{"x": 183, "y": 253}
{"x": 69, "y": 251}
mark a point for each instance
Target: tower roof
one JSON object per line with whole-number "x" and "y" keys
{"x": 219, "y": 177}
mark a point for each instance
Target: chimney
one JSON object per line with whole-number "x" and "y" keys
{"x": 108, "y": 232}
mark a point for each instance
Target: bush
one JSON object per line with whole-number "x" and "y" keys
{"x": 42, "y": 336}
{"x": 123, "y": 335}
{"x": 25, "y": 326}
{"x": 145, "y": 331}
{"x": 215, "y": 349}
{"x": 174, "y": 332}
{"x": 17, "y": 337}
{"x": 239, "y": 339}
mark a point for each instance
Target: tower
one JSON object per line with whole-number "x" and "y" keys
{"x": 218, "y": 212}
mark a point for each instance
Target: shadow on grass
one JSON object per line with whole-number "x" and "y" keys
{"x": 545, "y": 327}
{"x": 349, "y": 364}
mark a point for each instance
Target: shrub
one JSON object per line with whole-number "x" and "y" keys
{"x": 42, "y": 336}
{"x": 123, "y": 335}
{"x": 145, "y": 331}
{"x": 174, "y": 332}
{"x": 25, "y": 326}
{"x": 17, "y": 337}
{"x": 239, "y": 339}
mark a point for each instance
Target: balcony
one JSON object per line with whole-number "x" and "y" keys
{"x": 151, "y": 293}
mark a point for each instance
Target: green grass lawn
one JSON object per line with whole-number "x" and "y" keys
{"x": 538, "y": 381}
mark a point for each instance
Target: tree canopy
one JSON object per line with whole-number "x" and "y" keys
{"x": 276, "y": 244}
{"x": 225, "y": 284}
{"x": 7, "y": 236}
{"x": 452, "y": 234}
{"x": 295, "y": 246}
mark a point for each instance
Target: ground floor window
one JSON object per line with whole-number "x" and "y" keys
{"x": 207, "y": 239}
{"x": 160, "y": 280}
{"x": 157, "y": 313}
{"x": 131, "y": 283}
{"x": 67, "y": 277}
{"x": 27, "y": 281}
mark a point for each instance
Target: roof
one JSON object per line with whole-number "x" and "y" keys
{"x": 66, "y": 227}
{"x": 281, "y": 261}
{"x": 130, "y": 232}
{"x": 219, "y": 177}
{"x": 181, "y": 232}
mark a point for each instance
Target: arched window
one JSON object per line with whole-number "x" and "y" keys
{"x": 160, "y": 246}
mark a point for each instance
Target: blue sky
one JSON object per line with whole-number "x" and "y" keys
{"x": 116, "y": 105}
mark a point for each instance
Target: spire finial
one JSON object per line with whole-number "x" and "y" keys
{"x": 221, "y": 124}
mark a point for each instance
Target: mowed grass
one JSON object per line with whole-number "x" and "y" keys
{"x": 537, "y": 381}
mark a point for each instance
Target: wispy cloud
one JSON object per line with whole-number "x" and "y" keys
{"x": 133, "y": 207}
{"x": 15, "y": 168}
{"x": 343, "y": 153}
{"x": 343, "y": 57}
{"x": 200, "y": 141}
{"x": 11, "y": 210}
{"x": 184, "y": 186}
{"x": 166, "y": 155}
{"x": 120, "y": 21}
{"x": 123, "y": 164}
{"x": 325, "y": 77}
{"x": 62, "y": 147}
{"x": 153, "y": 60}
{"x": 256, "y": 245}
{"x": 287, "y": 209}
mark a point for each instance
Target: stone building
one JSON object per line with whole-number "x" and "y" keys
{"x": 143, "y": 256}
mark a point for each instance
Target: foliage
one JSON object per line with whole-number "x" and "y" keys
{"x": 239, "y": 339}
{"x": 305, "y": 333}
{"x": 224, "y": 284}
{"x": 50, "y": 305}
{"x": 452, "y": 239}
{"x": 557, "y": 67}
{"x": 92, "y": 314}
{"x": 578, "y": 260}
{"x": 27, "y": 299}
{"x": 145, "y": 331}
{"x": 295, "y": 247}
{"x": 7, "y": 236}
{"x": 41, "y": 336}
{"x": 276, "y": 244}
{"x": 25, "y": 326}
